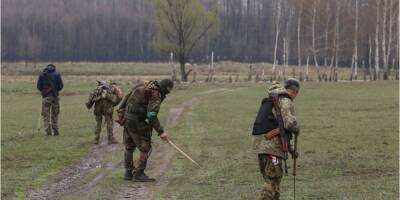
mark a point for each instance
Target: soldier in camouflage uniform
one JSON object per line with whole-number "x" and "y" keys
{"x": 138, "y": 114}
{"x": 50, "y": 84}
{"x": 269, "y": 150}
{"x": 104, "y": 98}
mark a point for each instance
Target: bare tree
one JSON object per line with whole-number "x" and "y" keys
{"x": 390, "y": 39}
{"x": 277, "y": 31}
{"x": 173, "y": 74}
{"x": 384, "y": 50}
{"x": 181, "y": 25}
{"x": 369, "y": 55}
{"x": 299, "y": 15}
{"x": 377, "y": 26}
{"x": 354, "y": 70}
{"x": 337, "y": 34}
{"x": 314, "y": 50}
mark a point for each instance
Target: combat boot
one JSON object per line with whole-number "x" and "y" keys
{"x": 55, "y": 131}
{"x": 128, "y": 175}
{"x": 48, "y": 132}
{"x": 96, "y": 140}
{"x": 140, "y": 176}
{"x": 112, "y": 140}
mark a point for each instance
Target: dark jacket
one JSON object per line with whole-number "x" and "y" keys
{"x": 50, "y": 82}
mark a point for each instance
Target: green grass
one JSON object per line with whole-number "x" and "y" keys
{"x": 30, "y": 158}
{"x": 348, "y": 144}
{"x": 223, "y": 69}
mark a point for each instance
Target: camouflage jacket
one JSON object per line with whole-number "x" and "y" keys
{"x": 263, "y": 146}
{"x": 104, "y": 100}
{"x": 143, "y": 102}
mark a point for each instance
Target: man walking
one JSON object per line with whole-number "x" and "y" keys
{"x": 50, "y": 84}
{"x": 267, "y": 141}
{"x": 105, "y": 97}
{"x": 138, "y": 113}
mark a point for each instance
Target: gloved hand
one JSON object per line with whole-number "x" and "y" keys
{"x": 164, "y": 136}
{"x": 121, "y": 119}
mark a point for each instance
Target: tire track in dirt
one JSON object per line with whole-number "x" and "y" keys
{"x": 68, "y": 180}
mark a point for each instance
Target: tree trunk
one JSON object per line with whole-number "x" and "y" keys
{"x": 356, "y": 43}
{"x": 352, "y": 68}
{"x": 263, "y": 74}
{"x": 369, "y": 56}
{"x": 313, "y": 39}
{"x": 276, "y": 37}
{"x": 376, "y": 71}
{"x": 173, "y": 74}
{"x": 385, "y": 62}
{"x": 389, "y": 48}
{"x": 298, "y": 35}
{"x": 212, "y": 65}
{"x": 183, "y": 72}
{"x": 326, "y": 41}
{"x": 194, "y": 73}
{"x": 338, "y": 6}
{"x": 307, "y": 63}
{"x": 284, "y": 58}
{"x": 250, "y": 73}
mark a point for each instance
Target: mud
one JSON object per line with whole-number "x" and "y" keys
{"x": 68, "y": 181}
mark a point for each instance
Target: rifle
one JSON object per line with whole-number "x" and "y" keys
{"x": 283, "y": 135}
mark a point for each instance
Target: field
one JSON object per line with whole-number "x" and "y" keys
{"x": 348, "y": 143}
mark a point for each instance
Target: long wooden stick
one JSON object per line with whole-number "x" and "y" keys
{"x": 183, "y": 153}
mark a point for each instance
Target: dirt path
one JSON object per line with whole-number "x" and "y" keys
{"x": 66, "y": 182}
{"x": 69, "y": 181}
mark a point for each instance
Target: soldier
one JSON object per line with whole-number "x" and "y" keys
{"x": 104, "y": 98}
{"x": 138, "y": 113}
{"x": 268, "y": 145}
{"x": 50, "y": 84}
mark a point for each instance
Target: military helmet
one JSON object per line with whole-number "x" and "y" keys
{"x": 293, "y": 84}
{"x": 166, "y": 86}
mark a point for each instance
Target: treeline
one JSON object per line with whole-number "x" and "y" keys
{"x": 357, "y": 33}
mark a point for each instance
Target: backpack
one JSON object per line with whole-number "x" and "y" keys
{"x": 265, "y": 120}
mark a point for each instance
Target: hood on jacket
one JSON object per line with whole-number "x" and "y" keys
{"x": 50, "y": 68}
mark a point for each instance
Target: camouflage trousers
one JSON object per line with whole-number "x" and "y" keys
{"x": 50, "y": 111}
{"x": 137, "y": 138}
{"x": 271, "y": 170}
{"x": 110, "y": 125}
